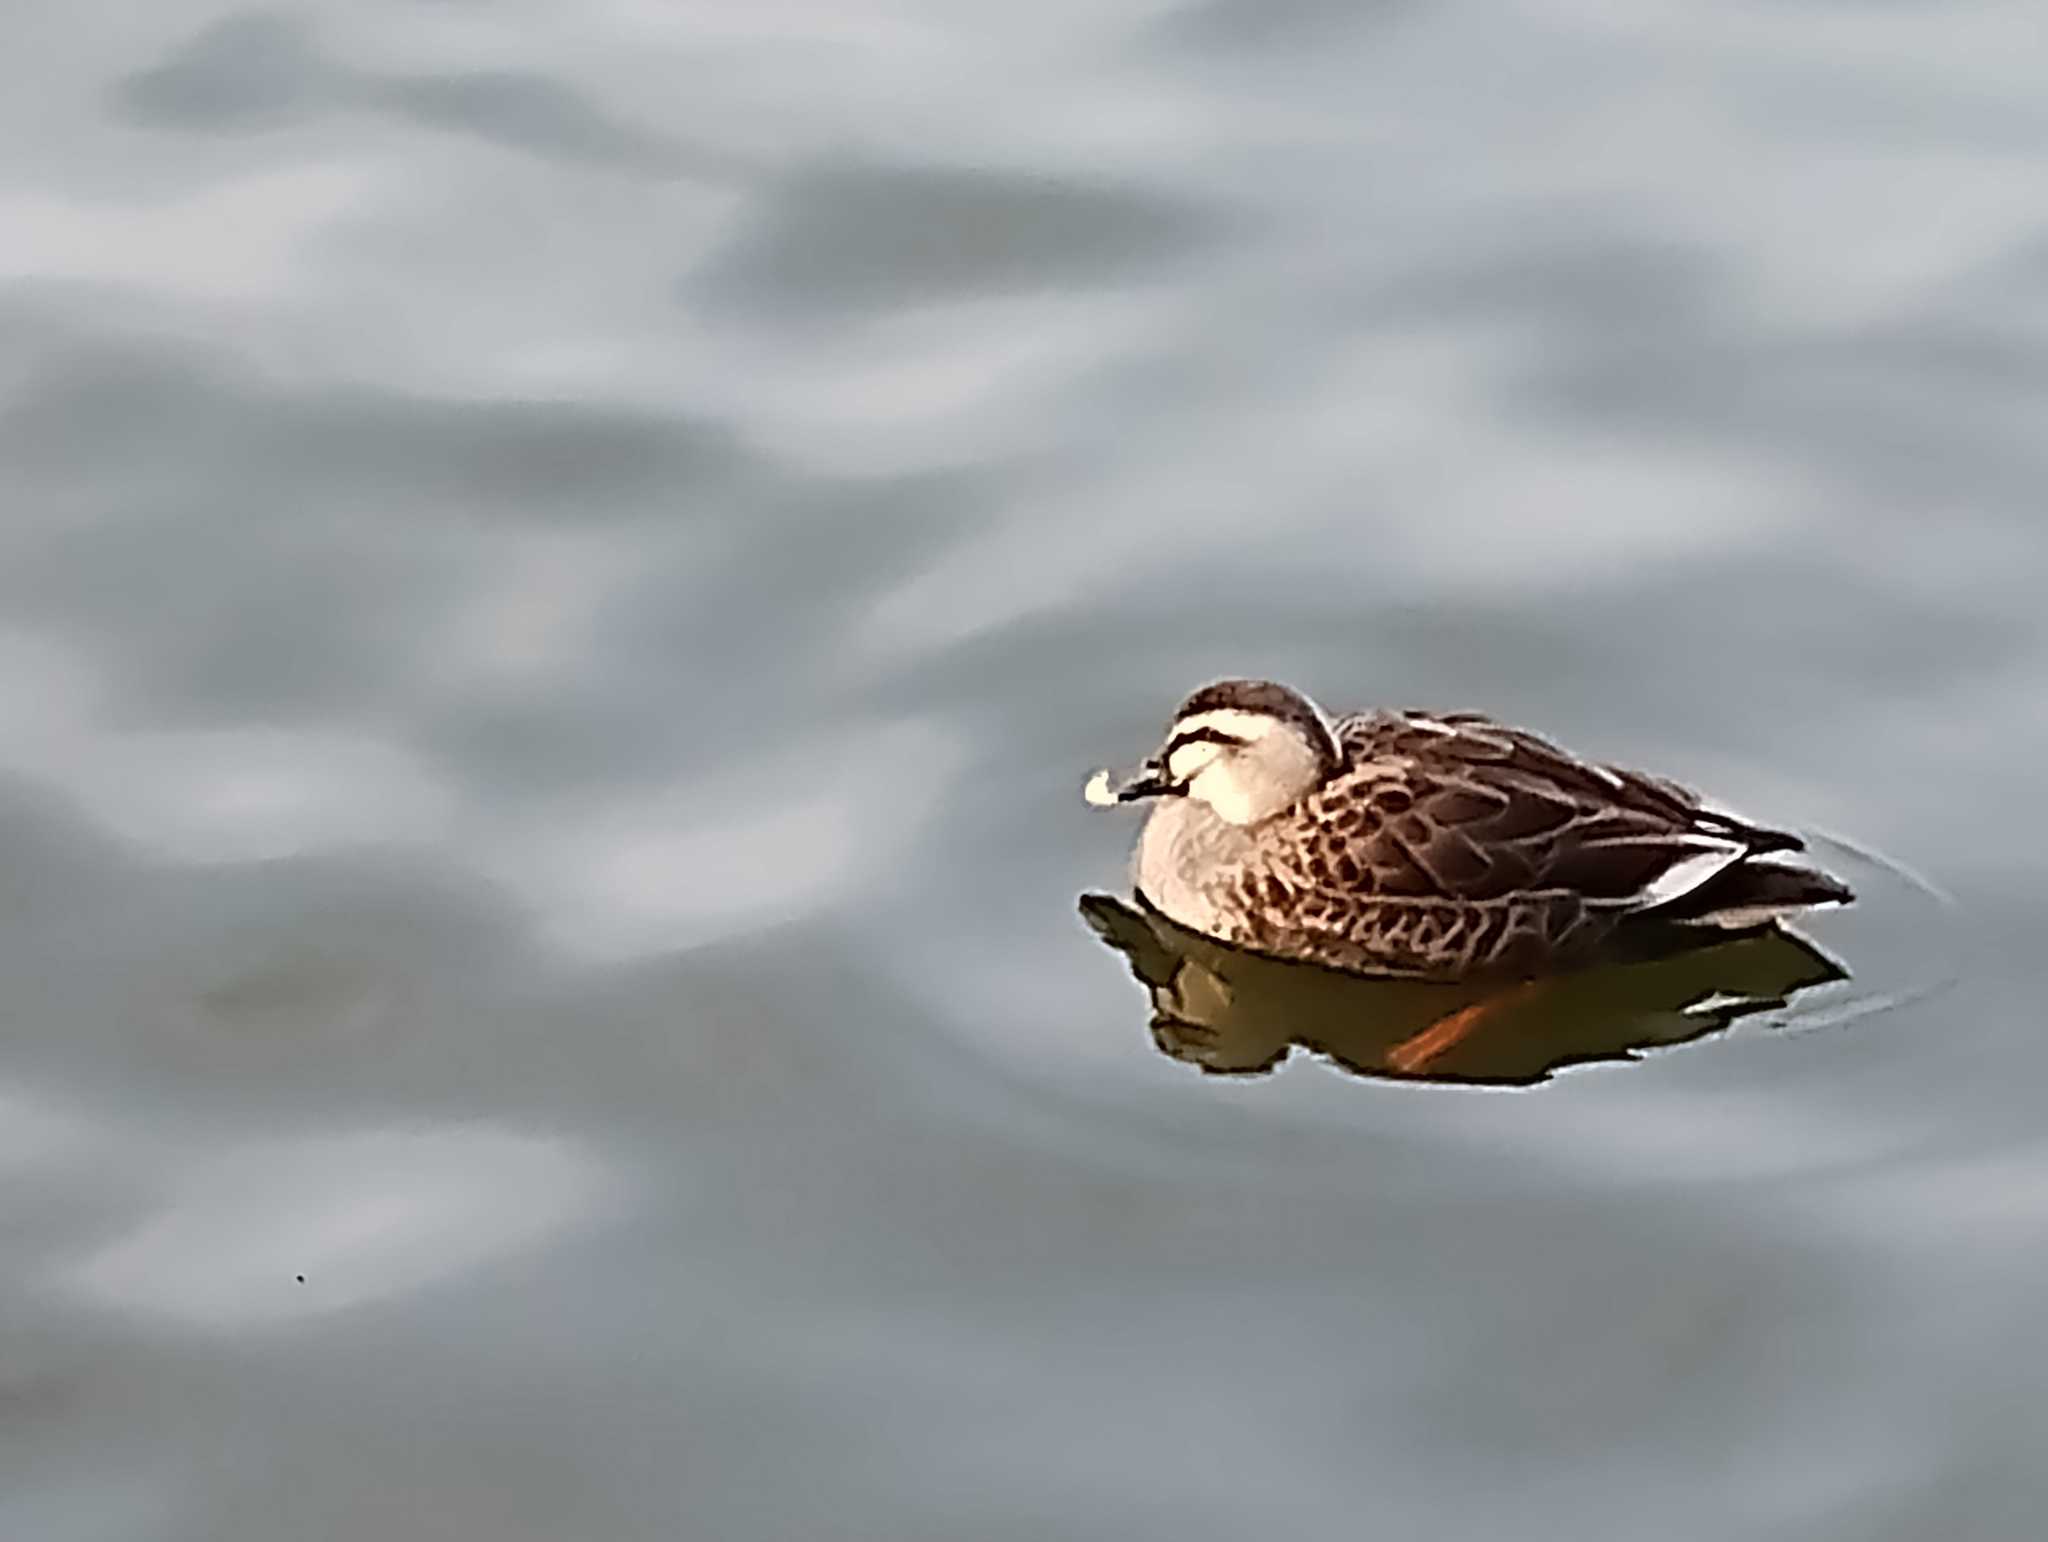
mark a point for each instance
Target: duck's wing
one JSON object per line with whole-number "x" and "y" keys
{"x": 1461, "y": 808}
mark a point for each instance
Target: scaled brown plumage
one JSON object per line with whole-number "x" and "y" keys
{"x": 1455, "y": 845}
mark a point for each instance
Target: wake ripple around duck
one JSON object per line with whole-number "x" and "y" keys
{"x": 1902, "y": 941}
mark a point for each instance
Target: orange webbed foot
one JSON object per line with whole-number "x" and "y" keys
{"x": 1414, "y": 1054}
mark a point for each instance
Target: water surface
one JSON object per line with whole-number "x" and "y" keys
{"x": 563, "y": 567}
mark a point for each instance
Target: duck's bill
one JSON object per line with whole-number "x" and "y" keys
{"x": 1106, "y": 789}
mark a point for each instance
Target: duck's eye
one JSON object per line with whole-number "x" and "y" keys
{"x": 1189, "y": 751}
{"x": 1215, "y": 736}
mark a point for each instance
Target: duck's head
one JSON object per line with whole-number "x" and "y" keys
{"x": 1247, "y": 748}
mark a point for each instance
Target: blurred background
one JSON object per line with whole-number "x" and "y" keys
{"x": 562, "y": 567}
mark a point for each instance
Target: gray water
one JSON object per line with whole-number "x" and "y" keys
{"x": 563, "y": 566}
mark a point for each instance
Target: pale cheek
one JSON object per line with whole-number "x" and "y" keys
{"x": 1223, "y": 794}
{"x": 1234, "y": 807}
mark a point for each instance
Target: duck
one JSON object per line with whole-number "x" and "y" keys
{"x": 1427, "y": 845}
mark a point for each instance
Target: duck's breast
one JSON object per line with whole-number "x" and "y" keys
{"x": 1183, "y": 857}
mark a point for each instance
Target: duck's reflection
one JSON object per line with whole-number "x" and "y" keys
{"x": 1227, "y": 1010}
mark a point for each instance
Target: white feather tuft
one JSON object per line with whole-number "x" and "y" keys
{"x": 1688, "y": 873}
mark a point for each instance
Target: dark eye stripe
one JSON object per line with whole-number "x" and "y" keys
{"x": 1203, "y": 736}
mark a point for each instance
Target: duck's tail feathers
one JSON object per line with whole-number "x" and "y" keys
{"x": 1752, "y": 892}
